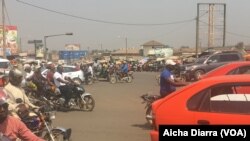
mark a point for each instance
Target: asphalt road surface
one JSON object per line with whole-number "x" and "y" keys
{"x": 118, "y": 115}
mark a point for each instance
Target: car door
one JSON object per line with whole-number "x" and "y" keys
{"x": 213, "y": 62}
{"x": 207, "y": 111}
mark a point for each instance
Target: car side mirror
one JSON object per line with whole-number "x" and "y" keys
{"x": 209, "y": 61}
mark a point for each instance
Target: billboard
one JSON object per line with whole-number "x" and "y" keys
{"x": 10, "y": 40}
{"x": 72, "y": 47}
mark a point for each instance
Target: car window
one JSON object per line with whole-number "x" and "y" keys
{"x": 4, "y": 65}
{"x": 229, "y": 57}
{"x": 230, "y": 103}
{"x": 213, "y": 99}
{"x": 68, "y": 69}
{"x": 200, "y": 60}
{"x": 240, "y": 70}
{"x": 214, "y": 59}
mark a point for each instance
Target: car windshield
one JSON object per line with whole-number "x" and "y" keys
{"x": 4, "y": 65}
{"x": 200, "y": 60}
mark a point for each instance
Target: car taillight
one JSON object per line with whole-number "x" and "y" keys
{"x": 155, "y": 127}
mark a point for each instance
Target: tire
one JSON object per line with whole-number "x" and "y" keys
{"x": 57, "y": 134}
{"x": 198, "y": 74}
{"x": 112, "y": 79}
{"x": 77, "y": 80}
{"x": 149, "y": 116}
{"x": 130, "y": 79}
{"x": 89, "y": 105}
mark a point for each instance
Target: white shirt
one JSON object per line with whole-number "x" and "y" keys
{"x": 56, "y": 76}
{"x": 90, "y": 70}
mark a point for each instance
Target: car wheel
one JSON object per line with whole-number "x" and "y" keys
{"x": 198, "y": 74}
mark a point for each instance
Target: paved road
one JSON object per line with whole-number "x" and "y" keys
{"x": 119, "y": 114}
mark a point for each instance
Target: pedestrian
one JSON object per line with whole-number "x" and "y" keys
{"x": 168, "y": 83}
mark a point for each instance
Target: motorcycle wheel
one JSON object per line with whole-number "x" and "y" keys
{"x": 149, "y": 116}
{"x": 129, "y": 79}
{"x": 57, "y": 134}
{"x": 112, "y": 79}
{"x": 88, "y": 105}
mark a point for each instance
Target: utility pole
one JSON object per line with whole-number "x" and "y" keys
{"x": 197, "y": 32}
{"x": 126, "y": 42}
{"x": 4, "y": 36}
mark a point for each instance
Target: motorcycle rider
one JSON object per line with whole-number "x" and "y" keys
{"x": 28, "y": 74}
{"x": 61, "y": 83}
{"x": 124, "y": 69}
{"x": 14, "y": 91}
{"x": 12, "y": 128}
{"x": 168, "y": 83}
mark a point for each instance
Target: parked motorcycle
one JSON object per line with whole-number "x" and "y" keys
{"x": 79, "y": 99}
{"x": 149, "y": 99}
{"x": 117, "y": 77}
{"x": 40, "y": 122}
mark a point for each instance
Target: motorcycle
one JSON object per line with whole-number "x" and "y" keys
{"x": 118, "y": 77}
{"x": 40, "y": 122}
{"x": 149, "y": 99}
{"x": 79, "y": 99}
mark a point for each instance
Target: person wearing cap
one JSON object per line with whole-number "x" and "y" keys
{"x": 28, "y": 74}
{"x": 14, "y": 91}
{"x": 12, "y": 128}
{"x": 168, "y": 83}
{"x": 124, "y": 69}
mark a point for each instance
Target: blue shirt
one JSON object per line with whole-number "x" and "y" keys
{"x": 124, "y": 68}
{"x": 165, "y": 87}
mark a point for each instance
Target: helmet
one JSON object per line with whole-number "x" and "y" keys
{"x": 15, "y": 76}
{"x": 26, "y": 66}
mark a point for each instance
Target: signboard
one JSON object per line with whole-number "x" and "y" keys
{"x": 39, "y": 51}
{"x": 11, "y": 40}
{"x": 66, "y": 55}
{"x": 72, "y": 47}
{"x": 163, "y": 52}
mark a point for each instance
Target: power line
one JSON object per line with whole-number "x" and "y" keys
{"x": 232, "y": 33}
{"x": 102, "y": 21}
{"x": 236, "y": 34}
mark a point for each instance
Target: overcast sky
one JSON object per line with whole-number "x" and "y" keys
{"x": 106, "y": 23}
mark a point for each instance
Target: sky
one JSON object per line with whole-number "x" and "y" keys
{"x": 106, "y": 24}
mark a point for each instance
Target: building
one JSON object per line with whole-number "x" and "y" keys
{"x": 157, "y": 49}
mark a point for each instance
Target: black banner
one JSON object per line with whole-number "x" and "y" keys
{"x": 198, "y": 132}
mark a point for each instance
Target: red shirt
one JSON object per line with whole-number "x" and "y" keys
{"x": 13, "y": 128}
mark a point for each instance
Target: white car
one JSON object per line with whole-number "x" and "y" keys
{"x": 70, "y": 71}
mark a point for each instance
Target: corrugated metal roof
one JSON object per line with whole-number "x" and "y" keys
{"x": 129, "y": 51}
{"x": 153, "y": 43}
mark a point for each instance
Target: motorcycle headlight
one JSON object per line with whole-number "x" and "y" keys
{"x": 52, "y": 115}
{"x": 79, "y": 89}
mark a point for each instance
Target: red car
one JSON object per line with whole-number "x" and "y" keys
{"x": 242, "y": 67}
{"x": 212, "y": 101}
